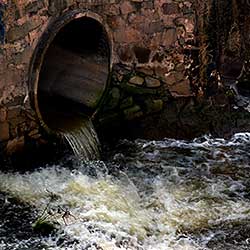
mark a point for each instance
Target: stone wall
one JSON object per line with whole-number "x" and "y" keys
{"x": 154, "y": 51}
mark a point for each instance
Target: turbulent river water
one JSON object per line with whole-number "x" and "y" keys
{"x": 146, "y": 195}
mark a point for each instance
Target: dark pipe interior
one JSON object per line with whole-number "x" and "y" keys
{"x": 74, "y": 73}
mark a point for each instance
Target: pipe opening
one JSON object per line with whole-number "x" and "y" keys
{"x": 73, "y": 74}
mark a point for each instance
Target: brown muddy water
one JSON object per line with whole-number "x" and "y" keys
{"x": 145, "y": 195}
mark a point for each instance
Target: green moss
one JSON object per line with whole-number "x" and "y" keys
{"x": 44, "y": 227}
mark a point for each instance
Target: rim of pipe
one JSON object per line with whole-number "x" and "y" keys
{"x": 46, "y": 39}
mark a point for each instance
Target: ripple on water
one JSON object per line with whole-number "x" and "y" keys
{"x": 149, "y": 195}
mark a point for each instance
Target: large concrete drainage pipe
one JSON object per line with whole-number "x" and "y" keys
{"x": 70, "y": 71}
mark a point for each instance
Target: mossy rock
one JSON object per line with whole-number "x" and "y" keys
{"x": 44, "y": 227}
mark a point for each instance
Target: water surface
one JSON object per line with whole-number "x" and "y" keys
{"x": 146, "y": 195}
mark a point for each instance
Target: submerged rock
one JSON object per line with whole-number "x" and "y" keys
{"x": 44, "y": 227}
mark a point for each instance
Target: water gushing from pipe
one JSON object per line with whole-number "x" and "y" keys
{"x": 84, "y": 141}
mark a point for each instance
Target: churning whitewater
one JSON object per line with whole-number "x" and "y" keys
{"x": 147, "y": 195}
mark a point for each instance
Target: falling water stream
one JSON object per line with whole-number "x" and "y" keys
{"x": 146, "y": 195}
{"x": 83, "y": 140}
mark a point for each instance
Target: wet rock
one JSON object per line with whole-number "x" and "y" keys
{"x": 152, "y": 82}
{"x": 137, "y": 80}
{"x": 157, "y": 105}
{"x": 133, "y": 89}
{"x": 153, "y": 106}
{"x": 114, "y": 98}
{"x": 44, "y": 227}
{"x": 15, "y": 145}
{"x": 145, "y": 70}
{"x": 133, "y": 112}
{"x": 128, "y": 102}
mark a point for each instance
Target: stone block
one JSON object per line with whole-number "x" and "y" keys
{"x": 133, "y": 112}
{"x": 20, "y": 31}
{"x": 137, "y": 80}
{"x": 14, "y": 112}
{"x": 138, "y": 90}
{"x": 3, "y": 114}
{"x": 170, "y": 78}
{"x": 174, "y": 77}
{"x": 126, "y": 8}
{"x": 128, "y": 102}
{"x": 34, "y": 7}
{"x": 180, "y": 67}
{"x": 170, "y": 8}
{"x": 127, "y": 35}
{"x": 142, "y": 54}
{"x": 154, "y": 105}
{"x": 152, "y": 82}
{"x": 181, "y": 89}
{"x": 125, "y": 54}
{"x": 169, "y": 37}
{"x": 145, "y": 70}
{"x": 152, "y": 27}
{"x": 4, "y": 131}
{"x": 161, "y": 71}
{"x": 23, "y": 57}
{"x": 34, "y": 134}
{"x": 114, "y": 98}
{"x": 147, "y": 5}
{"x": 157, "y": 105}
{"x": 116, "y": 22}
{"x": 58, "y": 5}
{"x": 113, "y": 10}
{"x": 15, "y": 145}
